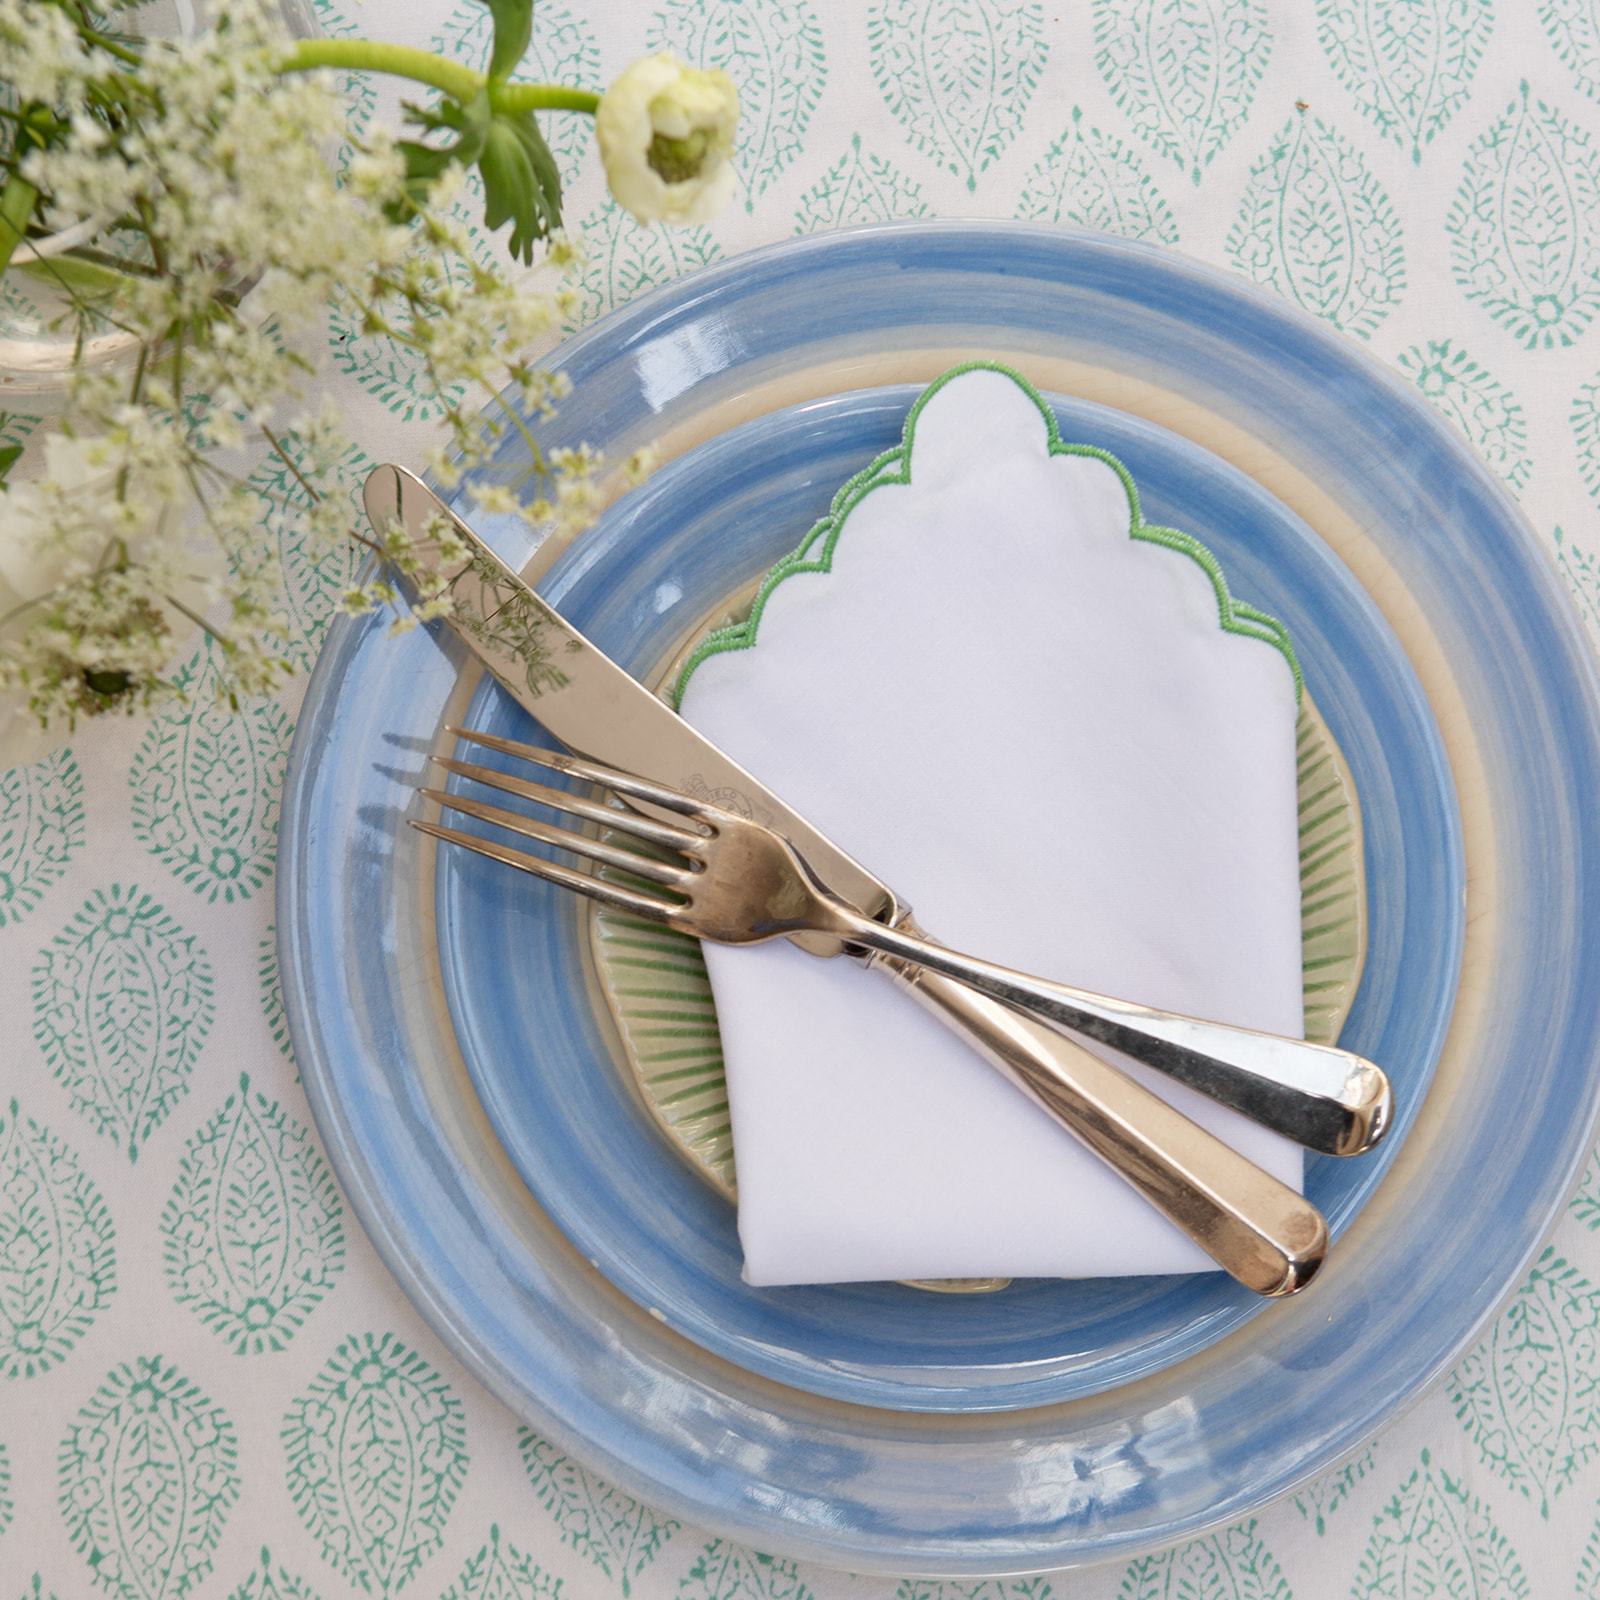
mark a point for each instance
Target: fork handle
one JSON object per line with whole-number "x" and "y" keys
{"x": 1257, "y": 1229}
{"x": 1327, "y": 1099}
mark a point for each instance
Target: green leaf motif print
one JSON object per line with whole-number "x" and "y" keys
{"x": 314, "y": 570}
{"x": 622, "y": 259}
{"x": 1434, "y": 1541}
{"x": 206, "y": 781}
{"x": 1525, "y": 225}
{"x": 1480, "y": 405}
{"x": 1233, "y": 1565}
{"x": 1408, "y": 64}
{"x": 772, "y": 49}
{"x": 1580, "y": 566}
{"x": 270, "y": 1582}
{"x": 563, "y": 49}
{"x": 1091, "y": 179}
{"x": 725, "y": 1571}
{"x": 502, "y": 1572}
{"x": 957, "y": 75}
{"x": 58, "y": 1264}
{"x": 1585, "y": 422}
{"x": 41, "y": 830}
{"x": 393, "y": 367}
{"x": 1183, "y": 72}
{"x": 122, "y": 1003}
{"x": 1316, "y": 226}
{"x": 253, "y": 1233}
{"x": 1529, "y": 1395}
{"x": 271, "y": 990}
{"x": 1573, "y": 27}
{"x": 1585, "y": 1205}
{"x": 858, "y": 187}
{"x": 609, "y": 1529}
{"x": 377, "y": 1453}
{"x": 146, "y": 1476}
{"x": 36, "y": 1589}
{"x": 1322, "y": 1497}
{"x": 358, "y": 90}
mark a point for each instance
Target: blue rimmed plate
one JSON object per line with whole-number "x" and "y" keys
{"x": 538, "y": 1041}
{"x": 1481, "y": 620}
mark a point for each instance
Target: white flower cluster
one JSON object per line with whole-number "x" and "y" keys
{"x": 225, "y": 233}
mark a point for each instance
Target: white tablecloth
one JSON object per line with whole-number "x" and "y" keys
{"x": 1423, "y": 173}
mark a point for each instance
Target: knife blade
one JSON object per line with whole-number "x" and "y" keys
{"x": 1258, "y": 1229}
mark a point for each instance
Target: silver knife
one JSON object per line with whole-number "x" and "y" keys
{"x": 1259, "y": 1230}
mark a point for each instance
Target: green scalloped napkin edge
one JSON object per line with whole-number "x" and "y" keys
{"x": 655, "y": 983}
{"x": 815, "y": 552}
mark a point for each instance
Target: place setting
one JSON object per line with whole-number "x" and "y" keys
{"x": 1105, "y": 713}
{"x": 767, "y": 836}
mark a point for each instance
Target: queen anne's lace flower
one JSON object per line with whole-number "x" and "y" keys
{"x": 134, "y": 521}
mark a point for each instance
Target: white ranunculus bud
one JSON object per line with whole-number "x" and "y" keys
{"x": 666, "y": 137}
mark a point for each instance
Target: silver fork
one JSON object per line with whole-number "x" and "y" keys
{"x": 716, "y": 875}
{"x": 733, "y": 881}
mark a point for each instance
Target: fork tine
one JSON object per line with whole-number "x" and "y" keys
{"x": 579, "y": 844}
{"x": 625, "y": 783}
{"x": 585, "y": 883}
{"x": 634, "y": 822}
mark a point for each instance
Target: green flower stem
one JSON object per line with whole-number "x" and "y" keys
{"x": 450, "y": 77}
{"x": 543, "y": 97}
{"x": 16, "y": 207}
{"x": 397, "y": 60}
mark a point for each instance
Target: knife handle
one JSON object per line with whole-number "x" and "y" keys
{"x": 1257, "y": 1229}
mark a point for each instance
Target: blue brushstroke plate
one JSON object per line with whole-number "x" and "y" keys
{"x": 539, "y": 1042}
{"x": 1450, "y": 591}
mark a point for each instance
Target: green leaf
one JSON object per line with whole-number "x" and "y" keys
{"x": 606, "y": 1527}
{"x": 252, "y": 1233}
{"x": 513, "y": 29}
{"x": 521, "y": 181}
{"x": 122, "y": 1004}
{"x": 10, "y": 455}
{"x": 377, "y": 1453}
{"x": 1529, "y": 1395}
{"x": 1434, "y": 1541}
{"x": 58, "y": 1264}
{"x": 146, "y": 1475}
{"x": 1234, "y": 1565}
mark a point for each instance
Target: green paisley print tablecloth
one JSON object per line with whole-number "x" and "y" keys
{"x": 208, "y": 1385}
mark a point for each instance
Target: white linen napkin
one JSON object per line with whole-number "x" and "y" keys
{"x": 1034, "y": 727}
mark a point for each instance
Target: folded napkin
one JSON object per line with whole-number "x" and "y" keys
{"x": 1023, "y": 710}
